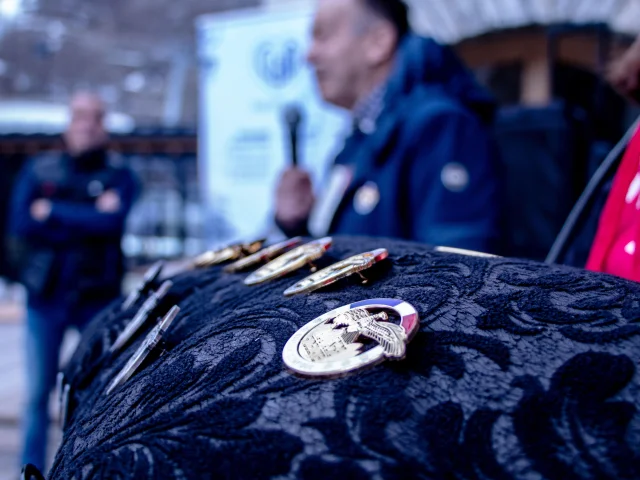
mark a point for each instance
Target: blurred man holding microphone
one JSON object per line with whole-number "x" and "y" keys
{"x": 419, "y": 163}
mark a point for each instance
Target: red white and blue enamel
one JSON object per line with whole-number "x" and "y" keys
{"x": 408, "y": 315}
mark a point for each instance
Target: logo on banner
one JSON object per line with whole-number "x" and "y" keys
{"x": 278, "y": 63}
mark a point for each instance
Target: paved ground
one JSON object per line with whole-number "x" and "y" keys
{"x": 13, "y": 375}
{"x": 12, "y": 381}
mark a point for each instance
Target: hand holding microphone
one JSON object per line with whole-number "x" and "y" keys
{"x": 293, "y": 120}
{"x": 294, "y": 196}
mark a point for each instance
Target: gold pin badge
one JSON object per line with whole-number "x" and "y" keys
{"x": 466, "y": 253}
{"x": 291, "y": 261}
{"x": 338, "y": 271}
{"x": 263, "y": 255}
{"x": 150, "y": 344}
{"x": 352, "y": 337}
{"x": 226, "y": 254}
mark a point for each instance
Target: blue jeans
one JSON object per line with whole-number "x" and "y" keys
{"x": 46, "y": 326}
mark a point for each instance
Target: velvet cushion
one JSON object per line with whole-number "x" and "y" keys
{"x": 519, "y": 371}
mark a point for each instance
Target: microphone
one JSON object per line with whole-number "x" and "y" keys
{"x": 293, "y": 118}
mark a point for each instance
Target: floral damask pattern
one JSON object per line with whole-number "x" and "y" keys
{"x": 519, "y": 371}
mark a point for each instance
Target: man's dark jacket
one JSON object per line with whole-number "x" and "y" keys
{"x": 431, "y": 156}
{"x": 75, "y": 255}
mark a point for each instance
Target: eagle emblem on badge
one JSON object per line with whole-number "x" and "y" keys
{"x": 339, "y": 339}
{"x": 352, "y": 337}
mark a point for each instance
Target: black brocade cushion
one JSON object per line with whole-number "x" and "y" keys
{"x": 519, "y": 371}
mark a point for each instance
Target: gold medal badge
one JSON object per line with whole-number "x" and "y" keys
{"x": 290, "y": 261}
{"x": 263, "y": 255}
{"x": 338, "y": 271}
{"x": 352, "y": 337}
{"x": 226, "y": 254}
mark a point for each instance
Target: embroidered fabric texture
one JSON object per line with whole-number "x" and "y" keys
{"x": 519, "y": 371}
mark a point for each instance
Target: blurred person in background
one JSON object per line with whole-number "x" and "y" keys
{"x": 67, "y": 218}
{"x": 420, "y": 163}
{"x": 603, "y": 231}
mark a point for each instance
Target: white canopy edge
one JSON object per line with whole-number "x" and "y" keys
{"x": 451, "y": 21}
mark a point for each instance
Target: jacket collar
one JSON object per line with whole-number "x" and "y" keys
{"x": 368, "y": 110}
{"x": 89, "y": 161}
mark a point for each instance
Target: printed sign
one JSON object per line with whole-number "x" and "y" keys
{"x": 252, "y": 68}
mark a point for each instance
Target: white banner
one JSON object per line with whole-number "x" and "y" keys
{"x": 252, "y": 68}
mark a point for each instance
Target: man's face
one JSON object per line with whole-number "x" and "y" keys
{"x": 337, "y": 51}
{"x": 86, "y": 126}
